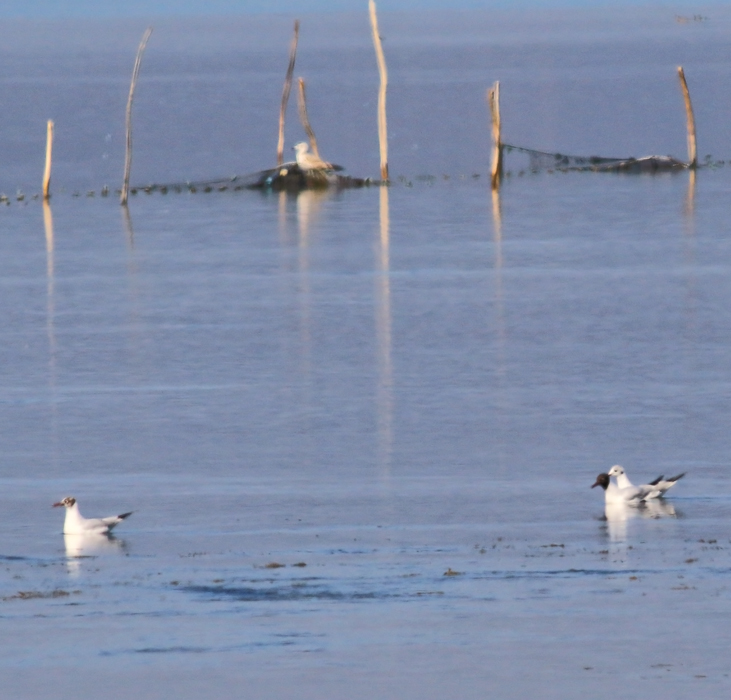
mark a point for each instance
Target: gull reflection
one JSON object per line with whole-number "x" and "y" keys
{"x": 79, "y": 547}
{"x": 619, "y": 514}
{"x": 309, "y": 203}
{"x": 658, "y": 508}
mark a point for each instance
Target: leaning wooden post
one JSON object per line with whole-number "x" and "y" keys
{"x": 383, "y": 73}
{"x": 128, "y": 151}
{"x": 692, "y": 153}
{"x": 47, "y": 171}
{"x": 493, "y": 100}
{"x": 285, "y": 92}
{"x": 302, "y": 104}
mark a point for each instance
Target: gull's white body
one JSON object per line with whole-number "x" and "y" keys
{"x": 77, "y": 524}
{"x": 309, "y": 161}
{"x": 614, "y": 495}
{"x": 657, "y": 487}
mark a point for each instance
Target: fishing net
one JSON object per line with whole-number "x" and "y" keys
{"x": 542, "y": 160}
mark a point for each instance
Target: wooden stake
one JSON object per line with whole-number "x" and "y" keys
{"x": 302, "y": 104}
{"x": 47, "y": 171}
{"x": 285, "y": 92}
{"x": 692, "y": 153}
{"x": 128, "y": 151}
{"x": 383, "y": 73}
{"x": 496, "y": 171}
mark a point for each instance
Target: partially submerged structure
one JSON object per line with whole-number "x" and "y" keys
{"x": 290, "y": 177}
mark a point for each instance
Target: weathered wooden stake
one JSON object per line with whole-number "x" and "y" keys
{"x": 692, "y": 153}
{"x": 383, "y": 73}
{"x": 47, "y": 171}
{"x": 286, "y": 90}
{"x": 493, "y": 100}
{"x": 302, "y": 104}
{"x": 128, "y": 151}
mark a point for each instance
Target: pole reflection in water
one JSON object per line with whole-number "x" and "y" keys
{"x": 282, "y": 210}
{"x": 51, "y": 321}
{"x": 691, "y": 293}
{"x": 384, "y": 391}
{"x": 309, "y": 203}
{"x": 50, "y": 304}
{"x": 690, "y": 202}
{"x": 128, "y": 226}
{"x": 500, "y": 370}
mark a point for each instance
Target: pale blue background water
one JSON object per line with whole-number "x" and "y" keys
{"x": 285, "y": 379}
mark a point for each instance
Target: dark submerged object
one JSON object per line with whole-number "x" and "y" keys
{"x": 291, "y": 177}
{"x": 648, "y": 164}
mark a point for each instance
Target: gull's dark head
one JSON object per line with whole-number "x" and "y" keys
{"x": 67, "y": 502}
{"x": 602, "y": 480}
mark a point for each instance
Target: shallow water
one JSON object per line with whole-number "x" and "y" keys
{"x": 358, "y": 430}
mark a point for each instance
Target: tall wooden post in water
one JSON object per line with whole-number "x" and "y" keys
{"x": 302, "y": 105}
{"x": 496, "y": 169}
{"x": 383, "y": 73}
{"x": 47, "y": 170}
{"x": 690, "y": 118}
{"x": 286, "y": 90}
{"x": 128, "y": 150}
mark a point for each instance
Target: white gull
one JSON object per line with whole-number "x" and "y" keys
{"x": 77, "y": 524}
{"x": 658, "y": 487}
{"x": 613, "y": 494}
{"x": 309, "y": 161}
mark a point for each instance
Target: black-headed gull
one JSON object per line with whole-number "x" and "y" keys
{"x": 659, "y": 486}
{"x": 77, "y": 524}
{"x": 633, "y": 495}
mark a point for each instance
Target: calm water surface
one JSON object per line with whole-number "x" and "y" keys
{"x": 358, "y": 429}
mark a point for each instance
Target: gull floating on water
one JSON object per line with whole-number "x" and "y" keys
{"x": 632, "y": 495}
{"x": 77, "y": 524}
{"x": 309, "y": 161}
{"x": 658, "y": 487}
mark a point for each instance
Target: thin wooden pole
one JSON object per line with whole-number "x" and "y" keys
{"x": 47, "y": 170}
{"x": 286, "y": 90}
{"x": 383, "y": 73}
{"x": 128, "y": 151}
{"x": 692, "y": 152}
{"x": 302, "y": 104}
{"x": 496, "y": 170}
